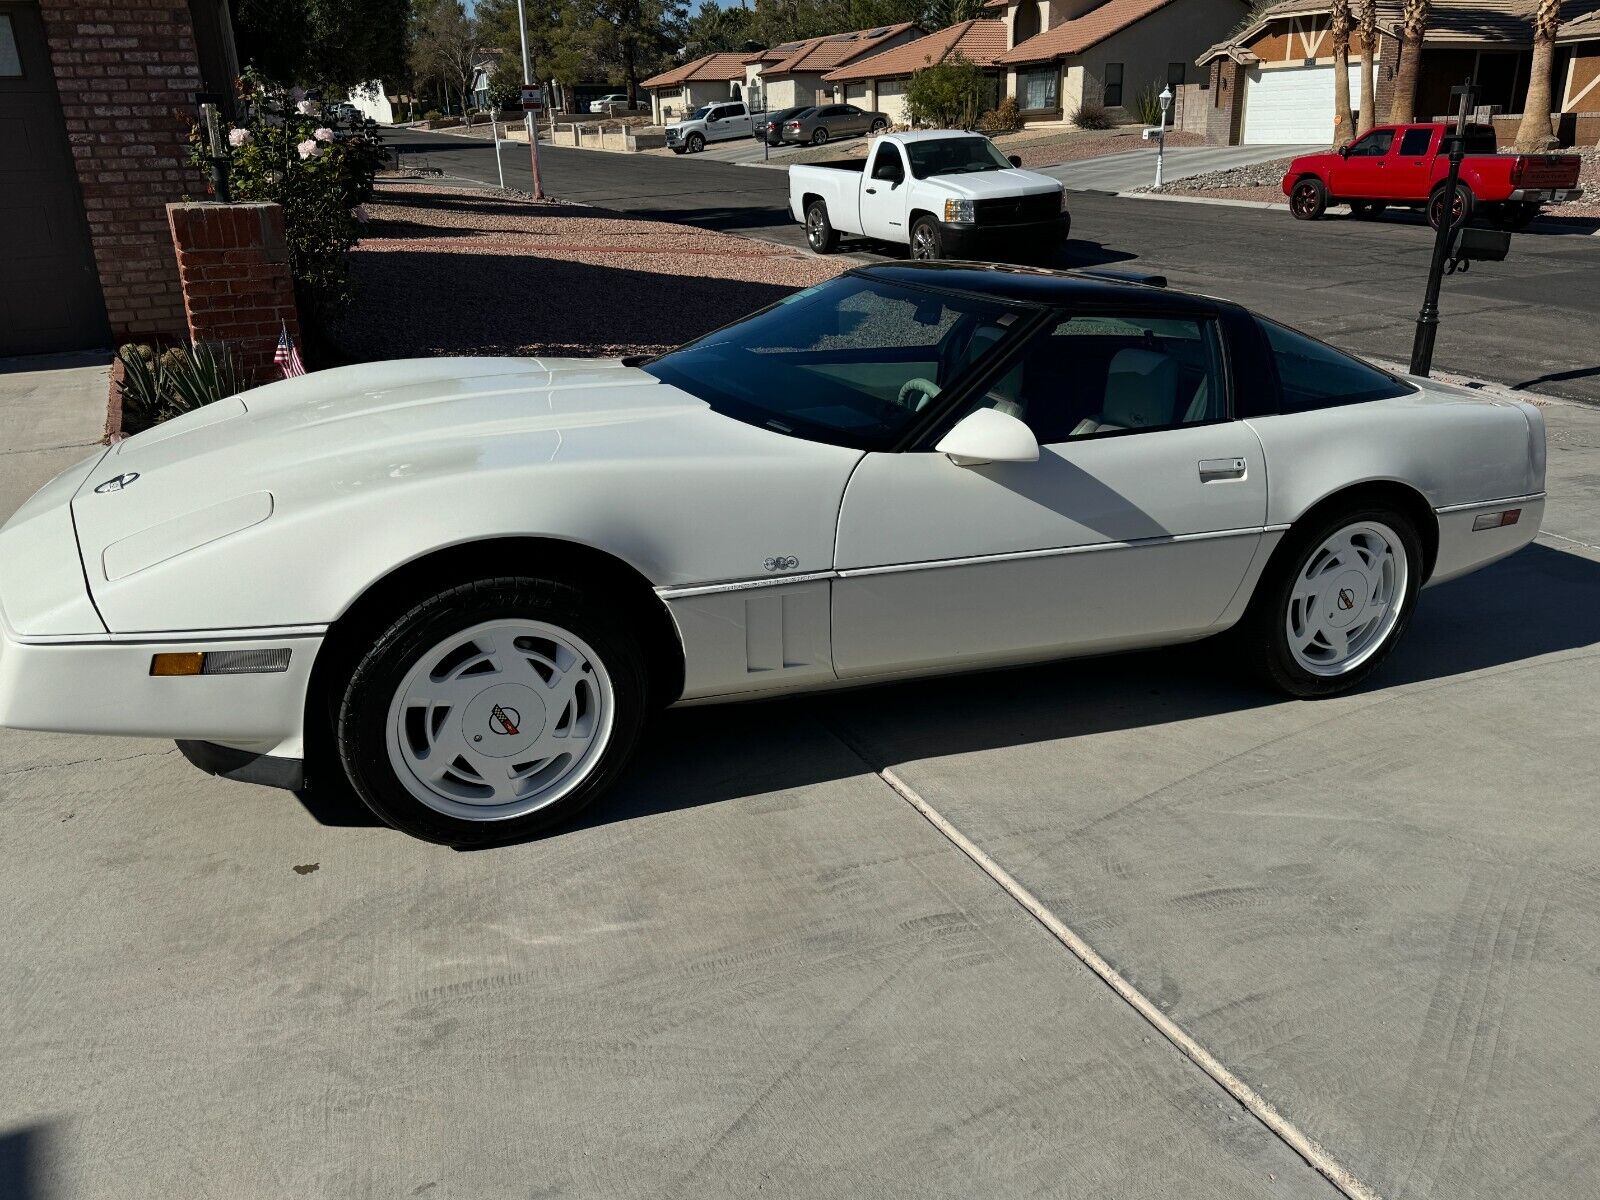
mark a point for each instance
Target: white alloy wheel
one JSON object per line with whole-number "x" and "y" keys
{"x": 1347, "y": 599}
{"x": 500, "y": 720}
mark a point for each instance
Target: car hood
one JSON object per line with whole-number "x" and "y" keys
{"x": 984, "y": 185}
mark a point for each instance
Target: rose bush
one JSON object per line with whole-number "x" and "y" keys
{"x": 320, "y": 169}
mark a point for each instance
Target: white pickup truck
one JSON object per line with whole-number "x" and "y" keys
{"x": 709, "y": 123}
{"x": 944, "y": 194}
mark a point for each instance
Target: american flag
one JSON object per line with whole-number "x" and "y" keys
{"x": 287, "y": 357}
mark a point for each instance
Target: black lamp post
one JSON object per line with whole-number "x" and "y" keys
{"x": 1428, "y": 318}
{"x": 210, "y": 105}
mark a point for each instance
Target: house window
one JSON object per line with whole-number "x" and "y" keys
{"x": 1175, "y": 75}
{"x": 1025, "y": 23}
{"x": 1113, "y": 92}
{"x": 10, "y": 60}
{"x": 1037, "y": 89}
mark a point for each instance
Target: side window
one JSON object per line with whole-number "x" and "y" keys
{"x": 733, "y": 110}
{"x": 1113, "y": 96}
{"x": 887, "y": 165}
{"x": 1314, "y": 375}
{"x": 1106, "y": 374}
{"x": 1415, "y": 142}
{"x": 1375, "y": 145}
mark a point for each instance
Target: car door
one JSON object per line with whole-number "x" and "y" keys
{"x": 1137, "y": 525}
{"x": 1359, "y": 175}
{"x": 1410, "y": 167}
{"x": 731, "y": 121}
{"x": 883, "y": 194}
{"x": 853, "y": 119}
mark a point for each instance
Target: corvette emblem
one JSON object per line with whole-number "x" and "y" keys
{"x": 117, "y": 482}
{"x": 1347, "y": 599}
{"x": 504, "y": 720}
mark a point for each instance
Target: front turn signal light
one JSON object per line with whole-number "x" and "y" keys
{"x": 177, "y": 664}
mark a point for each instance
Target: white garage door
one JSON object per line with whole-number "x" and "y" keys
{"x": 1292, "y": 105}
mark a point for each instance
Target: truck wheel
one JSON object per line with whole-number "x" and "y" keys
{"x": 1367, "y": 210}
{"x": 697, "y": 143}
{"x": 926, "y": 242}
{"x": 819, "y": 138}
{"x": 821, "y": 236}
{"x": 1308, "y": 199}
{"x": 1460, "y": 210}
{"x": 1516, "y": 215}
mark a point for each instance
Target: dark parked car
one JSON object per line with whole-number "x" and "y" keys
{"x": 817, "y": 125}
{"x": 771, "y": 125}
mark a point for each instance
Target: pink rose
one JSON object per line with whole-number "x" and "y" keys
{"x": 309, "y": 148}
{"x": 306, "y": 107}
{"x": 240, "y": 137}
{"x": 324, "y": 134}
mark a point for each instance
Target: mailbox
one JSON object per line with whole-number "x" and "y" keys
{"x": 1478, "y": 245}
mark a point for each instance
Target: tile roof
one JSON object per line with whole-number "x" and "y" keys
{"x": 976, "y": 41}
{"x": 710, "y": 69}
{"x": 1580, "y": 28}
{"x": 1458, "y": 22}
{"x": 826, "y": 53}
{"x": 1077, "y": 35}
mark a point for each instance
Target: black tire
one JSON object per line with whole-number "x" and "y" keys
{"x": 1461, "y": 211}
{"x": 1308, "y": 199}
{"x": 1263, "y": 633}
{"x": 361, "y": 731}
{"x": 696, "y": 143}
{"x": 927, "y": 240}
{"x": 1515, "y": 214}
{"x": 878, "y": 126}
{"x": 819, "y": 137}
{"x": 1367, "y": 210}
{"x": 821, "y": 236}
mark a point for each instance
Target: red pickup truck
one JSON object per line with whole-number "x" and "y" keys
{"x": 1407, "y": 165}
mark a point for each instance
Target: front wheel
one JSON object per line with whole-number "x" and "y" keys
{"x": 1308, "y": 199}
{"x": 821, "y": 236}
{"x": 492, "y": 711}
{"x": 879, "y": 126}
{"x": 927, "y": 244}
{"x": 1460, "y": 206}
{"x": 1340, "y": 597}
{"x": 697, "y": 143}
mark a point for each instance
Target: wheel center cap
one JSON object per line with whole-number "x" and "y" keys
{"x": 1347, "y": 599}
{"x": 503, "y": 720}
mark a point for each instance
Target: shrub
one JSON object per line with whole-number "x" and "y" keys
{"x": 1090, "y": 115}
{"x": 433, "y": 114}
{"x": 1003, "y": 117}
{"x": 1148, "y": 105}
{"x": 278, "y": 155}
{"x": 949, "y": 95}
{"x": 157, "y": 387}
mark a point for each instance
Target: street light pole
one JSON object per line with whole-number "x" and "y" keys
{"x": 527, "y": 116}
{"x": 1428, "y": 318}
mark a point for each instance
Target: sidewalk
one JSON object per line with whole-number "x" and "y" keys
{"x": 1137, "y": 168}
{"x": 52, "y": 414}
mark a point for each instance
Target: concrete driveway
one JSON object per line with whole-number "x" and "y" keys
{"x": 760, "y": 968}
{"x": 1137, "y": 168}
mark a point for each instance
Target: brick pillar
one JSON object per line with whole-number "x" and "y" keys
{"x": 233, "y": 265}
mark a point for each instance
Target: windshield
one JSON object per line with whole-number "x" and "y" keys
{"x": 851, "y": 361}
{"x": 955, "y": 156}
{"x": 698, "y": 114}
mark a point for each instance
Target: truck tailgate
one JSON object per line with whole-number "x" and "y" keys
{"x": 1545, "y": 171}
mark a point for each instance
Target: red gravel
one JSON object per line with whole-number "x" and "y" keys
{"x": 453, "y": 271}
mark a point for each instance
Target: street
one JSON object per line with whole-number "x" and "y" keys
{"x": 1528, "y": 322}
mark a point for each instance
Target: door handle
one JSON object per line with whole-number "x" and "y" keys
{"x": 872, "y": 191}
{"x": 1218, "y": 470}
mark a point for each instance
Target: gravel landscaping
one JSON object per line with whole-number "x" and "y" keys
{"x": 457, "y": 271}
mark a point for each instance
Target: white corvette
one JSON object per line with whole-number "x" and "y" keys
{"x": 462, "y": 584}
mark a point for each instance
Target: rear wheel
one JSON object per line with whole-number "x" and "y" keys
{"x": 1308, "y": 199}
{"x": 1460, "y": 206}
{"x": 1367, "y": 210}
{"x": 819, "y": 137}
{"x": 821, "y": 236}
{"x": 927, "y": 243}
{"x": 1340, "y": 597}
{"x": 492, "y": 711}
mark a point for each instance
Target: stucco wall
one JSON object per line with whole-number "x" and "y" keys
{"x": 1179, "y": 32}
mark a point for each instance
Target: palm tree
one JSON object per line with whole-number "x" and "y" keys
{"x": 1367, "y": 23}
{"x": 1339, "y": 26}
{"x": 1413, "y": 24}
{"x": 1534, "y": 132}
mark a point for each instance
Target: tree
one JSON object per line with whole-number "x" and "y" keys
{"x": 1534, "y": 132}
{"x": 948, "y": 95}
{"x": 1339, "y": 27}
{"x": 628, "y": 39}
{"x": 1413, "y": 24}
{"x": 1367, "y": 23}
{"x": 941, "y": 14}
{"x": 332, "y": 44}
{"x": 715, "y": 28}
{"x": 445, "y": 47}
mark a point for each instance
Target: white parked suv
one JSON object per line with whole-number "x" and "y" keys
{"x": 614, "y": 103}
{"x": 711, "y": 123}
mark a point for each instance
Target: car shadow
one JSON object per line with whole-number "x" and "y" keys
{"x": 23, "y": 1154}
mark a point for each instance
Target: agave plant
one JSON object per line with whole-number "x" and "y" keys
{"x": 143, "y": 386}
{"x": 206, "y": 373}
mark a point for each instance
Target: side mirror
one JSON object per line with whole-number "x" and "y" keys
{"x": 986, "y": 435}
{"x": 1344, "y": 151}
{"x": 1014, "y": 159}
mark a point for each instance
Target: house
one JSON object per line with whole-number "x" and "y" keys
{"x": 1063, "y": 53}
{"x": 793, "y": 73}
{"x": 685, "y": 88}
{"x": 1272, "y": 82}
{"x": 878, "y": 81}
{"x": 93, "y": 155}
